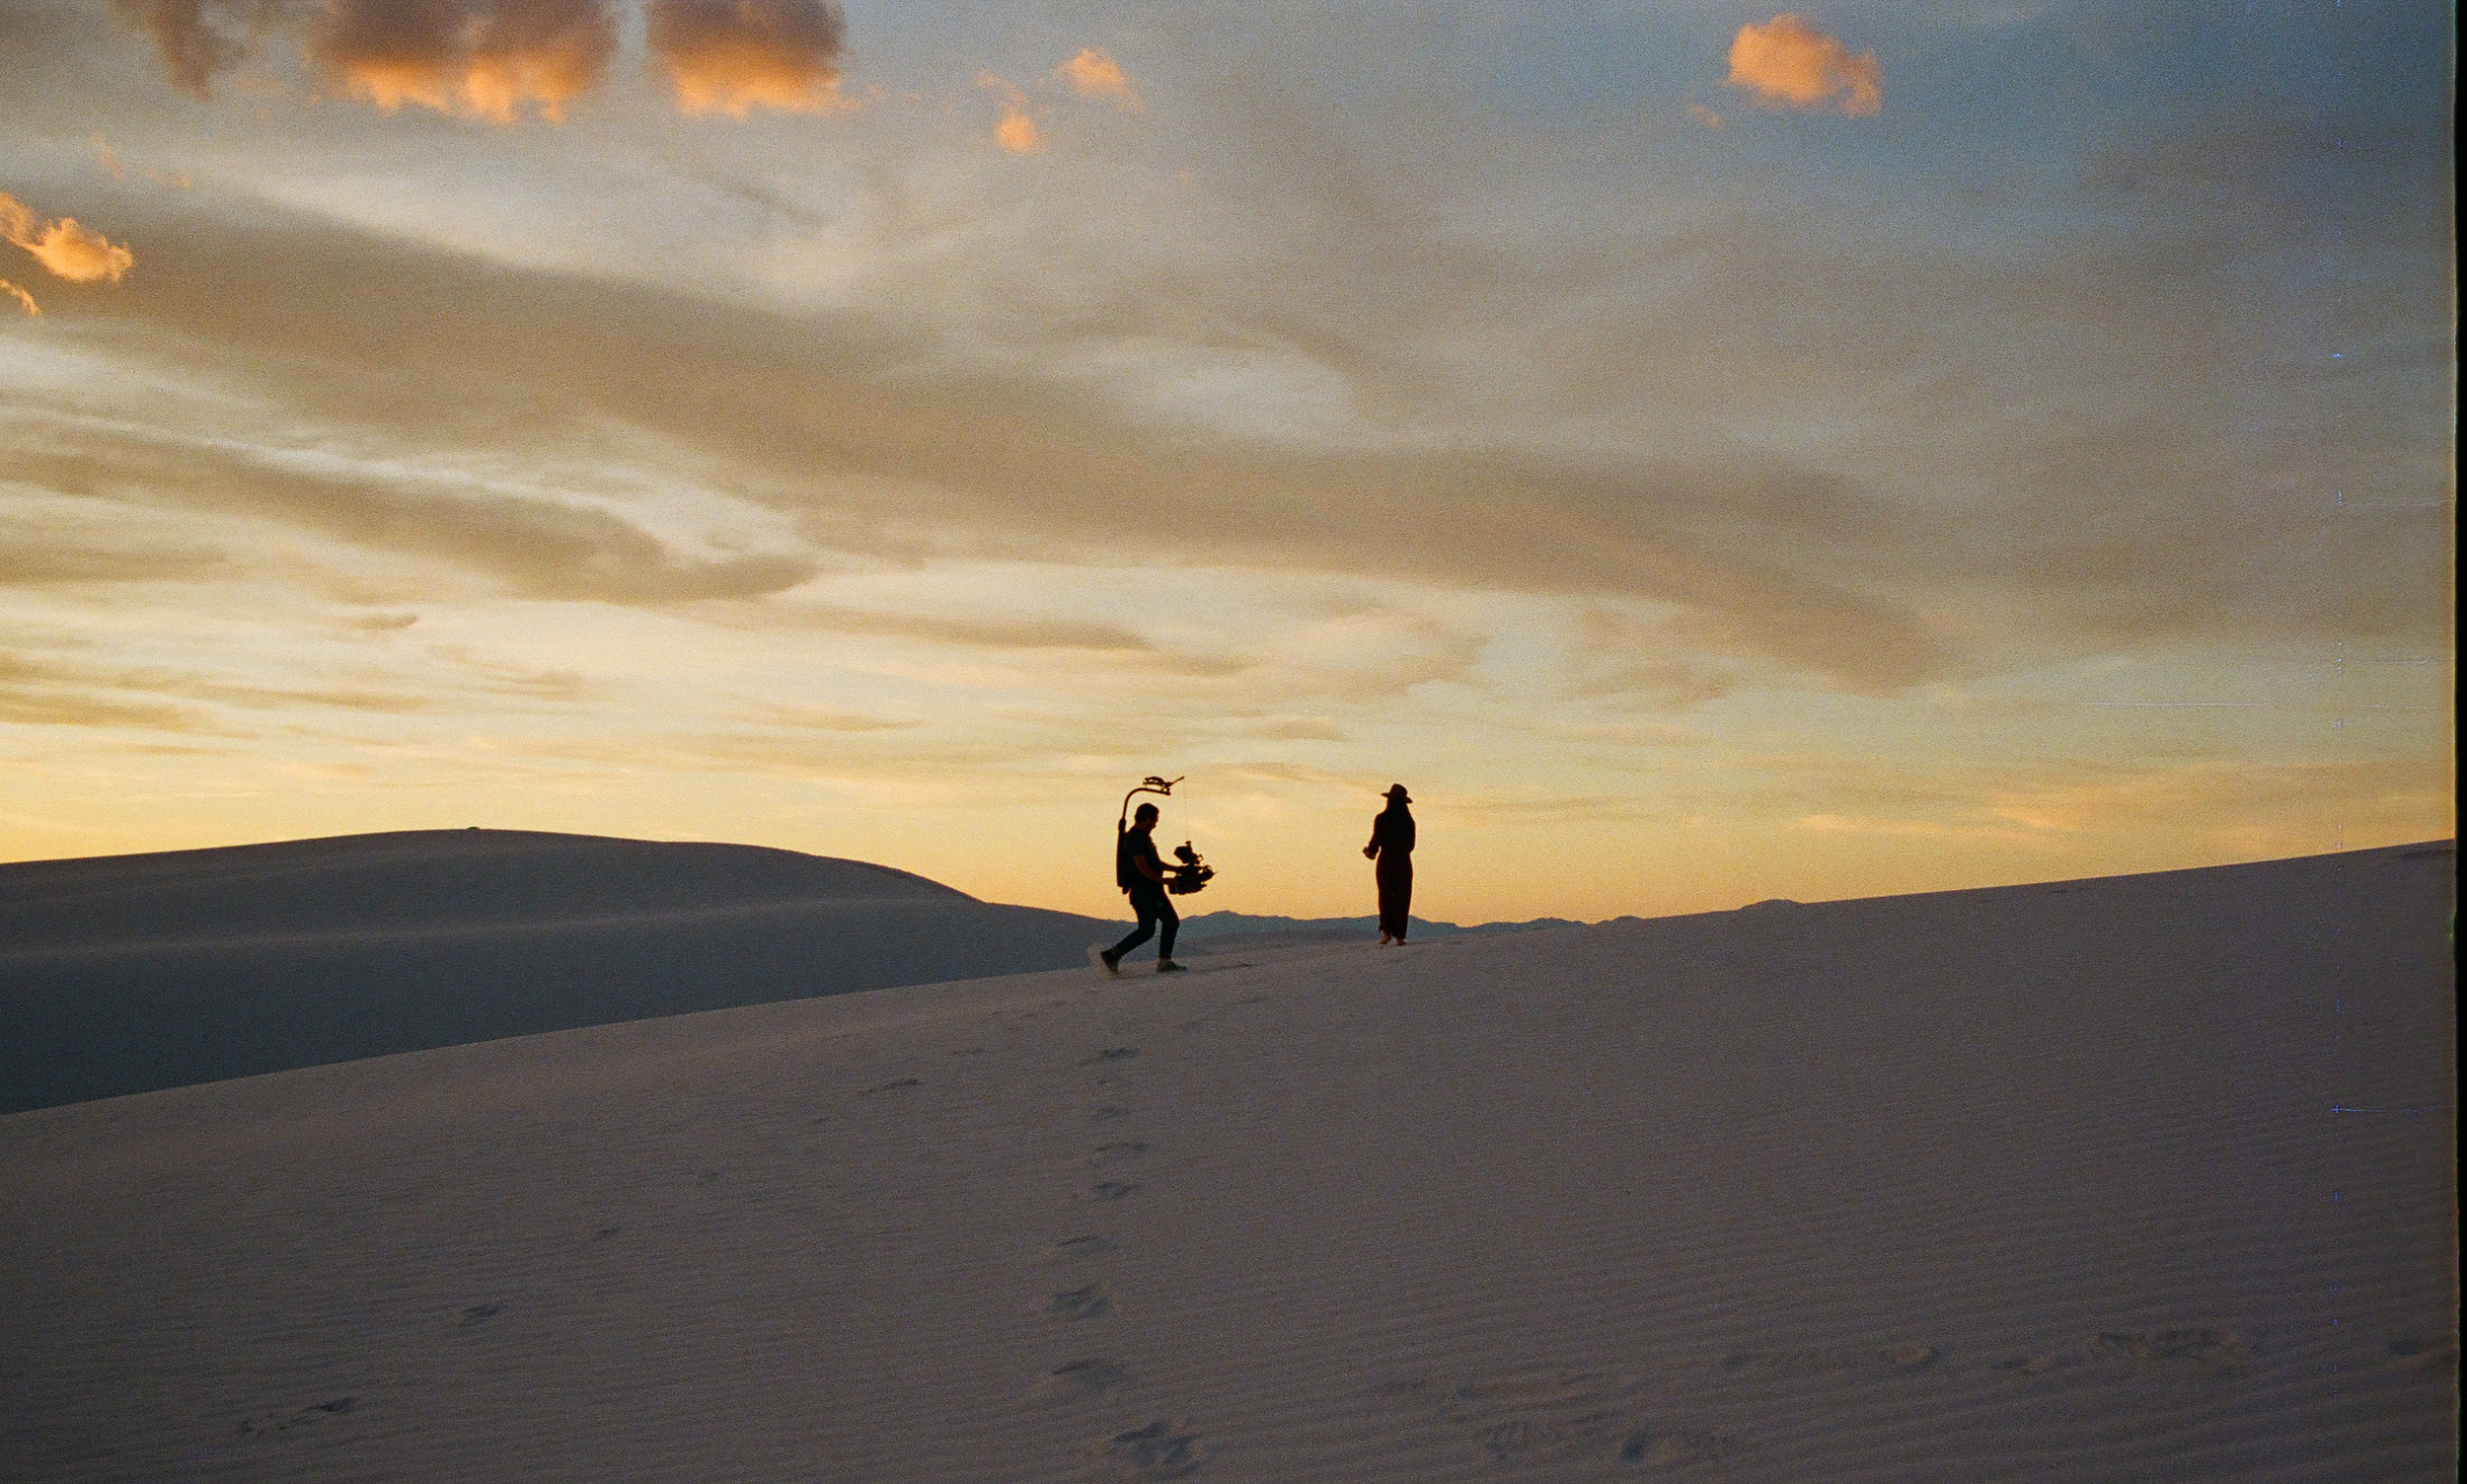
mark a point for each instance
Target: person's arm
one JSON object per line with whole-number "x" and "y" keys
{"x": 1144, "y": 857}
{"x": 1372, "y": 848}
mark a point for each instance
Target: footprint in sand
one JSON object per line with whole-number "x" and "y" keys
{"x": 284, "y": 1421}
{"x": 1590, "y": 1432}
{"x": 1598, "y": 1434}
{"x": 1891, "y": 1360}
{"x": 1669, "y": 1447}
{"x": 482, "y": 1313}
{"x": 1076, "y": 1381}
{"x": 1108, "y": 1114}
{"x": 894, "y": 1086}
{"x": 1089, "y": 1303}
{"x": 1071, "y": 1249}
{"x": 1112, "y": 1190}
{"x": 2425, "y": 1355}
{"x": 1164, "y": 1449}
{"x": 1117, "y": 1152}
{"x": 1558, "y": 1412}
{"x": 1111, "y": 1054}
{"x": 2217, "y": 1351}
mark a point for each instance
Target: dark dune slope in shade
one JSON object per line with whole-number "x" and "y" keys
{"x": 131, "y": 973}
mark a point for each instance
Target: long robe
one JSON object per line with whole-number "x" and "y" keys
{"x": 1391, "y": 835}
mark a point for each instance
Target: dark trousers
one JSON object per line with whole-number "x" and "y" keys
{"x": 1147, "y": 899}
{"x": 1395, "y": 893}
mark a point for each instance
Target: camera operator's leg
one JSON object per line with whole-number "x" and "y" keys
{"x": 1138, "y": 935}
{"x": 1173, "y": 925}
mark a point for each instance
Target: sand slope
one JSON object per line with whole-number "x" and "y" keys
{"x": 2148, "y": 1178}
{"x": 126, "y": 974}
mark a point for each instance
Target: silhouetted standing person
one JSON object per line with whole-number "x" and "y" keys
{"x": 1140, "y": 873}
{"x": 1391, "y": 845}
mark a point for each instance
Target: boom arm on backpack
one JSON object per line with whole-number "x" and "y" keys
{"x": 1152, "y": 783}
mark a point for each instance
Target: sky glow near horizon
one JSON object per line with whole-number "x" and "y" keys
{"x": 1706, "y": 451}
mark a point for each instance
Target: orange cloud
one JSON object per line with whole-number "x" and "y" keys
{"x": 22, "y": 297}
{"x": 733, "y": 56}
{"x": 1018, "y": 131}
{"x": 1786, "y": 62}
{"x": 68, "y": 250}
{"x": 1704, "y": 116}
{"x": 1094, "y": 74}
{"x": 482, "y": 58}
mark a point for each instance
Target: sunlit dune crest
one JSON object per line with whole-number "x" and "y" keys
{"x": 1095, "y": 74}
{"x": 22, "y": 297}
{"x": 69, "y": 251}
{"x": 1787, "y": 62}
{"x": 733, "y": 56}
{"x": 482, "y": 58}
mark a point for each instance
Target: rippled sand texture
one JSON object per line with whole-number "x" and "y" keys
{"x": 2141, "y": 1178}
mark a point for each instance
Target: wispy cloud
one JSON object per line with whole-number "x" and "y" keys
{"x": 1016, "y": 131}
{"x": 24, "y": 298}
{"x": 1297, "y": 729}
{"x": 482, "y": 58}
{"x": 46, "y": 707}
{"x": 41, "y": 547}
{"x": 733, "y": 56}
{"x": 1095, "y": 74}
{"x": 991, "y": 634}
{"x": 812, "y": 719}
{"x": 543, "y": 546}
{"x": 77, "y": 254}
{"x": 198, "y": 40}
{"x": 1786, "y": 62}
{"x": 1617, "y": 657}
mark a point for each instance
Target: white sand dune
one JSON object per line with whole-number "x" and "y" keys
{"x": 131, "y": 973}
{"x": 2148, "y": 1178}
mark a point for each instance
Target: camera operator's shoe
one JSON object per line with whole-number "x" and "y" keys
{"x": 1168, "y": 966}
{"x": 1106, "y": 959}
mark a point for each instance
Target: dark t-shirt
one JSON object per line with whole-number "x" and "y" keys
{"x": 1137, "y": 845}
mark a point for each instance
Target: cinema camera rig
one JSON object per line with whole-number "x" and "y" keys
{"x": 1189, "y": 873}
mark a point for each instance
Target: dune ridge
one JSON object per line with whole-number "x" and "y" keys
{"x": 127, "y": 974}
{"x": 2036, "y": 1183}
{"x": 414, "y": 877}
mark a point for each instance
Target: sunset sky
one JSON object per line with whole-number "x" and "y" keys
{"x": 1707, "y": 453}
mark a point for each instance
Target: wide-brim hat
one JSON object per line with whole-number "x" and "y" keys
{"x": 1398, "y": 791}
